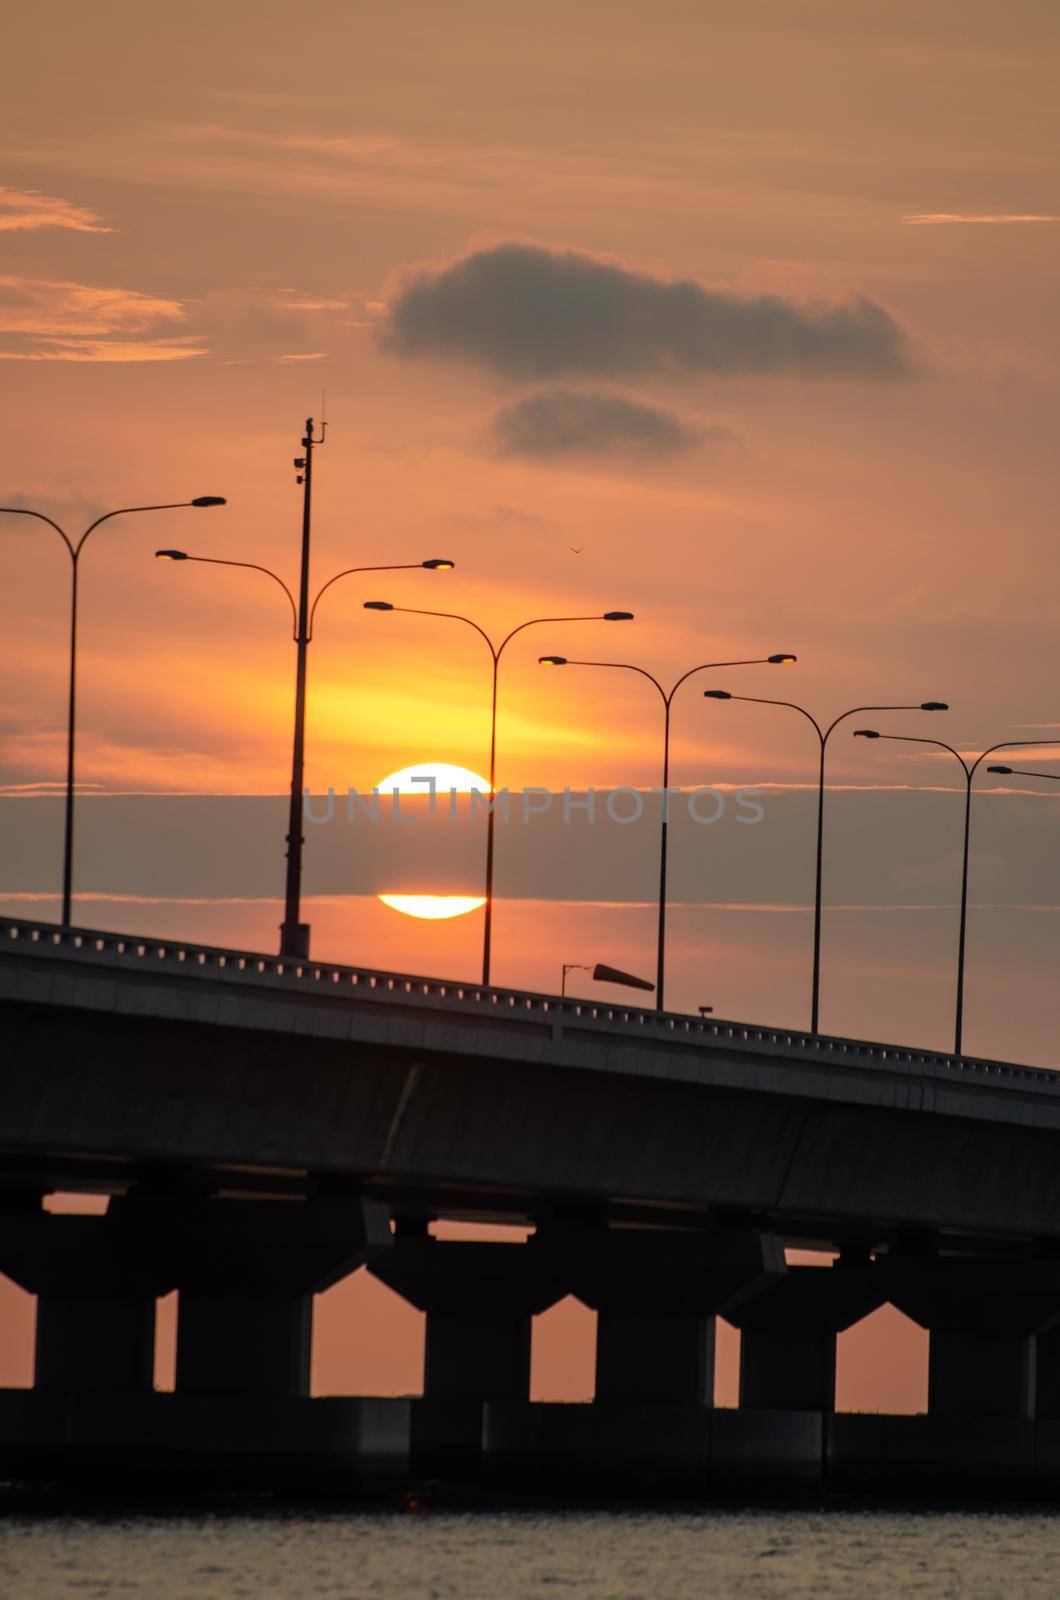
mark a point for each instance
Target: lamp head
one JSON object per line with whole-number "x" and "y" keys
{"x": 934, "y": 705}
{"x": 1005, "y": 771}
{"x": 171, "y": 555}
{"x": 782, "y": 661}
{"x": 865, "y": 733}
{"x": 378, "y": 605}
{"x": 438, "y": 564}
{"x": 618, "y": 616}
{"x": 209, "y": 500}
{"x": 552, "y": 661}
{"x": 716, "y": 694}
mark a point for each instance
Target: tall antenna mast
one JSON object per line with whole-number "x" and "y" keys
{"x": 294, "y": 933}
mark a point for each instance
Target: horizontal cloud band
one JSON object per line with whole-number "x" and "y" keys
{"x": 528, "y": 312}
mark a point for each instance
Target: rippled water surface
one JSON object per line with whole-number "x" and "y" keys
{"x": 761, "y": 1555}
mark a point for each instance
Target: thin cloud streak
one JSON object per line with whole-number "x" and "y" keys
{"x": 58, "y": 320}
{"x": 183, "y": 349}
{"x": 928, "y": 219}
{"x": 26, "y": 211}
{"x": 754, "y": 907}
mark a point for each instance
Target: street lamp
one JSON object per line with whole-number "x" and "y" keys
{"x": 604, "y": 974}
{"x": 969, "y": 770}
{"x": 496, "y": 651}
{"x": 823, "y": 735}
{"x": 74, "y": 549}
{"x": 294, "y": 933}
{"x": 667, "y": 696}
{"x": 1015, "y": 772}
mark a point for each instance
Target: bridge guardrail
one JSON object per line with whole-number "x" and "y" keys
{"x": 328, "y": 977}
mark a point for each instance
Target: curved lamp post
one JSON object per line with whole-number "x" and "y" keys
{"x": 823, "y": 736}
{"x": 969, "y": 769}
{"x": 667, "y": 696}
{"x": 496, "y": 651}
{"x": 74, "y": 549}
{"x": 294, "y": 933}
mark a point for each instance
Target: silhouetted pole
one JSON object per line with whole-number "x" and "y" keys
{"x": 823, "y": 736}
{"x": 667, "y": 700}
{"x": 496, "y": 651}
{"x": 969, "y": 773}
{"x": 294, "y": 933}
{"x": 74, "y": 552}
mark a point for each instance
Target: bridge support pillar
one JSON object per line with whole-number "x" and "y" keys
{"x": 244, "y": 1344}
{"x": 95, "y": 1300}
{"x": 246, "y": 1272}
{"x": 788, "y": 1335}
{"x": 1047, "y": 1374}
{"x": 983, "y": 1317}
{"x": 1047, "y": 1406}
{"x": 656, "y": 1294}
{"x": 479, "y": 1299}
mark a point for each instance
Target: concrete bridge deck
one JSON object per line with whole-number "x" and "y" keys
{"x": 124, "y": 1052}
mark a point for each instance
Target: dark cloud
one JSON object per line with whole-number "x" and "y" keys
{"x": 534, "y": 313}
{"x": 564, "y": 422}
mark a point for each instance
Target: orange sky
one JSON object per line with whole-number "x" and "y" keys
{"x": 214, "y": 212}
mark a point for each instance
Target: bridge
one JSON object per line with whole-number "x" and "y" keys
{"x": 265, "y": 1125}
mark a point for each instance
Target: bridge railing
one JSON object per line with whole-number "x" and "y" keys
{"x": 131, "y": 951}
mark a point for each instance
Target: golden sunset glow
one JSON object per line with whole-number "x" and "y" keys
{"x": 433, "y": 907}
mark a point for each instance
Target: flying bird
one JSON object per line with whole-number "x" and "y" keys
{"x": 576, "y": 548}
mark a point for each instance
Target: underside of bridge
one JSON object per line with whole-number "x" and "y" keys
{"x": 259, "y": 1143}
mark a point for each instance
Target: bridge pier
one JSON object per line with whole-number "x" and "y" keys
{"x": 656, "y": 1293}
{"x": 479, "y": 1299}
{"x": 983, "y": 1318}
{"x": 788, "y": 1334}
{"x": 788, "y": 1338}
{"x": 1047, "y": 1374}
{"x": 1047, "y": 1407}
{"x": 95, "y": 1300}
{"x": 246, "y": 1272}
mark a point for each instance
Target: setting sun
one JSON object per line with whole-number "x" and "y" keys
{"x": 413, "y": 780}
{"x": 433, "y": 907}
